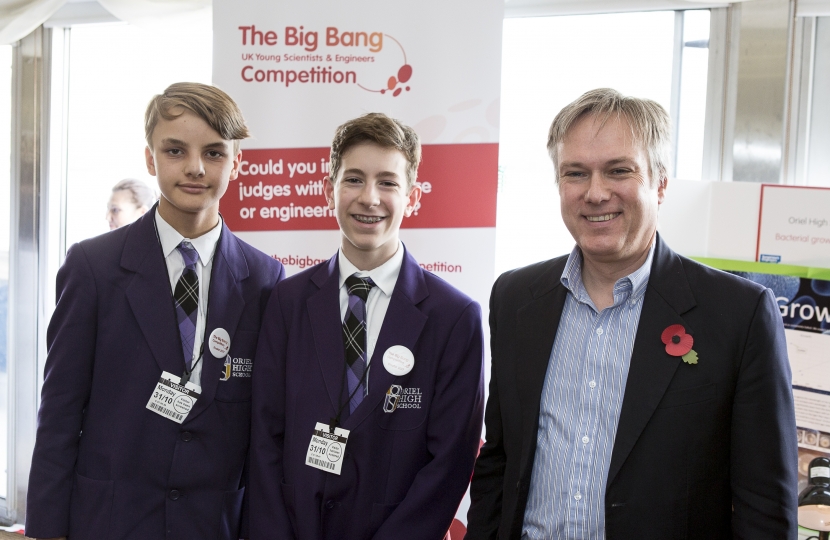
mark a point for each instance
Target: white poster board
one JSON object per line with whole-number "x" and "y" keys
{"x": 794, "y": 225}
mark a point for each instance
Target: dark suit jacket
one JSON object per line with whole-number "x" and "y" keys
{"x": 693, "y": 442}
{"x": 404, "y": 472}
{"x": 105, "y": 466}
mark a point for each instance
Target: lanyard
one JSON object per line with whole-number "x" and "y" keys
{"x": 188, "y": 373}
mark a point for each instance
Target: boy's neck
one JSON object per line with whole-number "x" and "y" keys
{"x": 367, "y": 261}
{"x": 189, "y": 225}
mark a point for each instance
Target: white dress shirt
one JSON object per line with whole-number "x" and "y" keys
{"x": 385, "y": 276}
{"x": 205, "y": 245}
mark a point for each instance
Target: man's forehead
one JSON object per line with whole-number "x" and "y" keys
{"x": 591, "y": 131}
{"x": 593, "y": 125}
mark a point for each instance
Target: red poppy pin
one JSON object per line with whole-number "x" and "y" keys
{"x": 679, "y": 343}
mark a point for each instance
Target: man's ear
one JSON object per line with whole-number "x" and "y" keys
{"x": 661, "y": 189}
{"x": 150, "y": 160}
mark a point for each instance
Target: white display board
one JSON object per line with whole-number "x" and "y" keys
{"x": 794, "y": 225}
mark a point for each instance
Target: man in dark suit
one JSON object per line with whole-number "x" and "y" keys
{"x": 634, "y": 393}
{"x": 368, "y": 390}
{"x": 143, "y": 432}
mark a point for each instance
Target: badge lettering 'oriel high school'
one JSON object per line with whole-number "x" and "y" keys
{"x": 398, "y": 397}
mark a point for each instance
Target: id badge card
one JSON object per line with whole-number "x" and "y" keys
{"x": 172, "y": 400}
{"x": 326, "y": 450}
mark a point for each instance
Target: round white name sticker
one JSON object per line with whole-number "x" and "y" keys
{"x": 219, "y": 343}
{"x": 398, "y": 360}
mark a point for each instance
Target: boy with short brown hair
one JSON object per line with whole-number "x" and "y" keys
{"x": 368, "y": 392}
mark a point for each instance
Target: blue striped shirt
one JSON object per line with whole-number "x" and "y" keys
{"x": 580, "y": 407}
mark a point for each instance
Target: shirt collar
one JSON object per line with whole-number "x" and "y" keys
{"x": 637, "y": 280}
{"x": 385, "y": 276}
{"x": 170, "y": 238}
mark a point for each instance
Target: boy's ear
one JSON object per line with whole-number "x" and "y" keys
{"x": 151, "y": 163}
{"x": 237, "y": 162}
{"x": 414, "y": 200}
{"x": 328, "y": 190}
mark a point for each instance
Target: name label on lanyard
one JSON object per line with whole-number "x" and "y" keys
{"x": 173, "y": 400}
{"x": 326, "y": 450}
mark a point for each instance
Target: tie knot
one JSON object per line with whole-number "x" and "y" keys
{"x": 189, "y": 254}
{"x": 359, "y": 286}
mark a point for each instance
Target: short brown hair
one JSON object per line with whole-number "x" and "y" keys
{"x": 208, "y": 102}
{"x": 379, "y": 129}
{"x": 650, "y": 125}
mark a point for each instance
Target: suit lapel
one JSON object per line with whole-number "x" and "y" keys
{"x": 150, "y": 296}
{"x": 402, "y": 325}
{"x": 324, "y": 312}
{"x": 668, "y": 296}
{"x": 536, "y": 324}
{"x": 225, "y": 305}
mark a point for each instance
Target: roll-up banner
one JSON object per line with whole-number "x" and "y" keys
{"x": 300, "y": 69}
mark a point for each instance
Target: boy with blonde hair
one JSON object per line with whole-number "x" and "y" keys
{"x": 143, "y": 429}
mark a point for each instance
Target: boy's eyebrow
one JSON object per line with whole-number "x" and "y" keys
{"x": 385, "y": 174}
{"x": 218, "y": 144}
{"x": 177, "y": 142}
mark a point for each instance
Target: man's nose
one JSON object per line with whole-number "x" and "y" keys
{"x": 597, "y": 190}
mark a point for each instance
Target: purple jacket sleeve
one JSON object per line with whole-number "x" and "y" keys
{"x": 70, "y": 339}
{"x": 268, "y": 514}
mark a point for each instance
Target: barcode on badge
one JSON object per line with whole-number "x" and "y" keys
{"x": 321, "y": 463}
{"x": 166, "y": 412}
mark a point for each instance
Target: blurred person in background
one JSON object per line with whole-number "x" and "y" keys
{"x": 129, "y": 201}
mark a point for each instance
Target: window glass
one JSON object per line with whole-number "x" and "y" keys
{"x": 548, "y": 62}
{"x": 694, "y": 70}
{"x": 818, "y": 158}
{"x": 5, "y": 223}
{"x": 115, "y": 70}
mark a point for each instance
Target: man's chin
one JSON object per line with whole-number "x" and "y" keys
{"x": 602, "y": 253}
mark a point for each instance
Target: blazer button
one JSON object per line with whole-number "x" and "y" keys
{"x": 329, "y": 504}
{"x": 187, "y": 436}
{"x": 174, "y": 494}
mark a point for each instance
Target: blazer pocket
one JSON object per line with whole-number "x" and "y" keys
{"x": 380, "y": 513}
{"x": 400, "y": 419}
{"x": 687, "y": 396}
{"x": 90, "y": 508}
{"x": 288, "y": 500}
{"x": 404, "y": 407}
{"x": 231, "y": 514}
{"x": 235, "y": 379}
